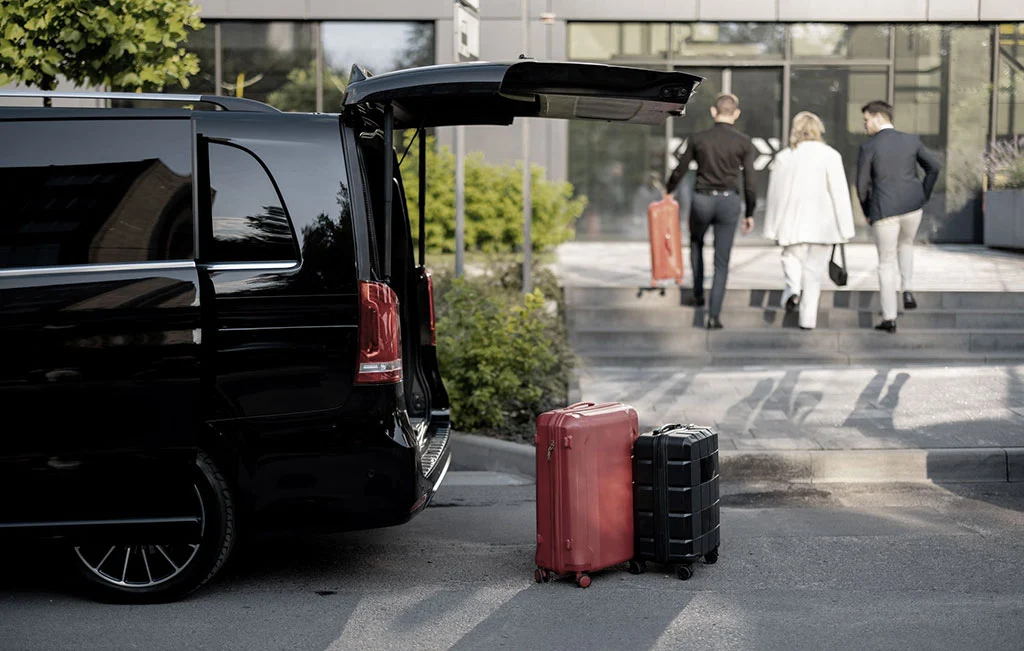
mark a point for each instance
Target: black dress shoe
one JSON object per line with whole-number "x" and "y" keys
{"x": 887, "y": 326}
{"x": 714, "y": 323}
{"x": 792, "y": 303}
{"x": 908, "y": 301}
{"x": 698, "y": 300}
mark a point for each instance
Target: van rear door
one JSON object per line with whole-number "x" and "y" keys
{"x": 481, "y": 93}
{"x": 497, "y": 93}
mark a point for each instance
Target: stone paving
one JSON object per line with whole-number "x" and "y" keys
{"x": 827, "y": 408}
{"x": 936, "y": 267}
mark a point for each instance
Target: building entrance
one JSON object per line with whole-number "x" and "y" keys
{"x": 760, "y": 93}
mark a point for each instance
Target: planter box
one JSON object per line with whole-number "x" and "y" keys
{"x": 1004, "y": 219}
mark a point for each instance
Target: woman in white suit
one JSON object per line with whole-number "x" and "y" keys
{"x": 808, "y": 212}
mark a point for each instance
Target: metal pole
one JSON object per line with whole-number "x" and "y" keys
{"x": 994, "y": 98}
{"x": 460, "y": 200}
{"x": 218, "y": 62}
{"x": 527, "y": 195}
{"x": 460, "y": 166}
{"x": 318, "y": 67}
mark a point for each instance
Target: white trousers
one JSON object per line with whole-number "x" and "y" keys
{"x": 894, "y": 239}
{"x": 804, "y": 265}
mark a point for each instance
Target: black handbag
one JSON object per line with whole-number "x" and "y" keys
{"x": 836, "y": 271}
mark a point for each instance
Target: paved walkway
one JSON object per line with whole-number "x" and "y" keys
{"x": 827, "y": 408}
{"x": 936, "y": 267}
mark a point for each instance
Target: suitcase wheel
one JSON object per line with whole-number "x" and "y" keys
{"x": 582, "y": 580}
{"x": 637, "y": 567}
{"x": 684, "y": 572}
{"x": 711, "y": 557}
{"x": 540, "y": 575}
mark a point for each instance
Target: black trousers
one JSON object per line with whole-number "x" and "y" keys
{"x": 722, "y": 212}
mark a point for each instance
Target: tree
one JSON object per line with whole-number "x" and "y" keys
{"x": 122, "y": 44}
{"x": 419, "y": 47}
{"x": 494, "y": 202}
{"x": 299, "y": 94}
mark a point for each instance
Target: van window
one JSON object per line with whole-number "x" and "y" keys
{"x": 249, "y": 220}
{"x": 80, "y": 192}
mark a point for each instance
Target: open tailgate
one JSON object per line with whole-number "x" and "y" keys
{"x": 497, "y": 93}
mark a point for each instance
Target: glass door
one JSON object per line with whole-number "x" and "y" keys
{"x": 759, "y": 90}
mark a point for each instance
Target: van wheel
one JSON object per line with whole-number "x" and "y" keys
{"x": 165, "y": 572}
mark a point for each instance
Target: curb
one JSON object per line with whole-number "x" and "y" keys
{"x": 947, "y": 465}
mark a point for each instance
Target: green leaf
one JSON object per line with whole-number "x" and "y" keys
{"x": 14, "y": 32}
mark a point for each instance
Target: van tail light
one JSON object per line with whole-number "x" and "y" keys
{"x": 380, "y": 335}
{"x": 431, "y": 319}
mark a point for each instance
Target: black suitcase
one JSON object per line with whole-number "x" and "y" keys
{"x": 675, "y": 498}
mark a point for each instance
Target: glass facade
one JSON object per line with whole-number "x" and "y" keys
{"x": 279, "y": 62}
{"x": 1010, "y": 83}
{"x": 938, "y": 77}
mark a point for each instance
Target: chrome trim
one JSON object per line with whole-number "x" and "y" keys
{"x": 434, "y": 450}
{"x": 226, "y": 103}
{"x": 88, "y": 94}
{"x": 99, "y": 268}
{"x": 250, "y": 266}
{"x": 444, "y": 472}
{"x": 302, "y": 327}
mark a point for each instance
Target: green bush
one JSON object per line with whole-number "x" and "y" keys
{"x": 494, "y": 200}
{"x": 504, "y": 356}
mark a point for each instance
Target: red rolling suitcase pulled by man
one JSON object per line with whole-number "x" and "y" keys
{"x": 584, "y": 489}
{"x": 666, "y": 240}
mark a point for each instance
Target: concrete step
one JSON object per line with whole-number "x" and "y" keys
{"x": 772, "y": 358}
{"x": 839, "y": 342}
{"x": 576, "y": 296}
{"x": 624, "y": 317}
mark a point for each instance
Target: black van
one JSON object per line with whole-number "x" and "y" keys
{"x": 211, "y": 312}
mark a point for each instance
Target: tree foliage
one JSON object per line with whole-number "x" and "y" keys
{"x": 299, "y": 92}
{"x": 494, "y": 202}
{"x": 122, "y": 44}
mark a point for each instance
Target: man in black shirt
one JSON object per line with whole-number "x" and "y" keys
{"x": 721, "y": 153}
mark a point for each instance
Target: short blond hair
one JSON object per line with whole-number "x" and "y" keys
{"x": 806, "y": 127}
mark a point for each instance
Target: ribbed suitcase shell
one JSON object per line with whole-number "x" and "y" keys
{"x": 584, "y": 488}
{"x": 676, "y": 496}
{"x": 666, "y": 241}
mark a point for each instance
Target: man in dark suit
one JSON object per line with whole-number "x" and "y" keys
{"x": 893, "y": 197}
{"x": 721, "y": 153}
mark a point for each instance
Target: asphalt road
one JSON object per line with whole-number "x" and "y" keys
{"x": 854, "y": 567}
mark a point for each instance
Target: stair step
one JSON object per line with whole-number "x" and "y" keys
{"x": 772, "y": 318}
{"x": 695, "y": 341}
{"x": 782, "y": 358}
{"x": 766, "y": 298}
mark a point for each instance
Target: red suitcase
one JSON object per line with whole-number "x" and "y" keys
{"x": 666, "y": 241}
{"x": 584, "y": 489}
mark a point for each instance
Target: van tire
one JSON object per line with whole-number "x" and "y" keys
{"x": 180, "y": 570}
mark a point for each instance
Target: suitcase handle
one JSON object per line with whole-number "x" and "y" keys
{"x": 667, "y": 428}
{"x": 581, "y": 404}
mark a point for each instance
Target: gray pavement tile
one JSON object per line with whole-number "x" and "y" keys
{"x": 772, "y": 444}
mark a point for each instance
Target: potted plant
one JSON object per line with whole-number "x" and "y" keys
{"x": 1004, "y": 201}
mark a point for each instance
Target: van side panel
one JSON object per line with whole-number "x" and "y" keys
{"x": 99, "y": 321}
{"x": 99, "y": 388}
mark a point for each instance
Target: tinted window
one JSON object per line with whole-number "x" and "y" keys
{"x": 91, "y": 192}
{"x": 249, "y": 220}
